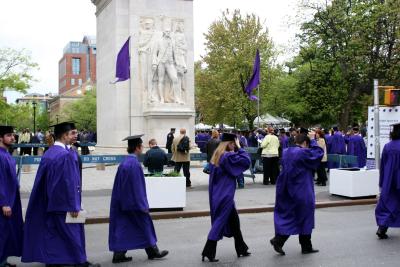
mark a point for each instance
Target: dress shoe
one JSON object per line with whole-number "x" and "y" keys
{"x": 210, "y": 259}
{"x": 155, "y": 253}
{"x": 120, "y": 257}
{"x": 243, "y": 254}
{"x": 309, "y": 251}
{"x": 277, "y": 247}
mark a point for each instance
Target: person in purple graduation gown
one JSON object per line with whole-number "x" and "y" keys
{"x": 11, "y": 224}
{"x": 356, "y": 147}
{"x": 47, "y": 237}
{"x": 387, "y": 211}
{"x": 336, "y": 145}
{"x": 228, "y": 161}
{"x": 283, "y": 139}
{"x": 131, "y": 226}
{"x": 295, "y": 198}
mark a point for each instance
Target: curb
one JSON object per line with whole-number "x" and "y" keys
{"x": 205, "y": 213}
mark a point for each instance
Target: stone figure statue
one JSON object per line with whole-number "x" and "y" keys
{"x": 180, "y": 56}
{"x": 162, "y": 60}
{"x": 145, "y": 43}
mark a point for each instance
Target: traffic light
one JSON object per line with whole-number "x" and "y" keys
{"x": 392, "y": 97}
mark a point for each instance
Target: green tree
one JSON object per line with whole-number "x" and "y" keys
{"x": 19, "y": 116}
{"x": 345, "y": 45}
{"x": 82, "y": 111}
{"x": 222, "y": 74}
{"x": 15, "y": 68}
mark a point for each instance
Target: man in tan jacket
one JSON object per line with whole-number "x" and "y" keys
{"x": 181, "y": 156}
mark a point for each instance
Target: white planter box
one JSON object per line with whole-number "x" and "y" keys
{"x": 354, "y": 183}
{"x": 166, "y": 192}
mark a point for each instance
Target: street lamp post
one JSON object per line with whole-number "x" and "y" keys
{"x": 34, "y": 116}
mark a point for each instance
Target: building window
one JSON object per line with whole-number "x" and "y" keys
{"x": 72, "y": 81}
{"x": 80, "y": 81}
{"x": 76, "y": 66}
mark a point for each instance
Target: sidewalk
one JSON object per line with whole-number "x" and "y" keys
{"x": 97, "y": 186}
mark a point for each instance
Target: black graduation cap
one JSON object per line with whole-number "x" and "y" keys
{"x": 226, "y": 137}
{"x": 282, "y": 130}
{"x": 6, "y": 129}
{"x": 356, "y": 129}
{"x": 173, "y": 129}
{"x": 303, "y": 131}
{"x": 63, "y": 127}
{"x": 134, "y": 140}
{"x": 335, "y": 128}
{"x": 396, "y": 127}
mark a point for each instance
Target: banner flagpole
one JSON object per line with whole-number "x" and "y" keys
{"x": 258, "y": 106}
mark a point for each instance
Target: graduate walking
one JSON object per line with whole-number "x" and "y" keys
{"x": 56, "y": 195}
{"x": 11, "y": 224}
{"x": 228, "y": 161}
{"x": 131, "y": 226}
{"x": 356, "y": 147}
{"x": 387, "y": 211}
{"x": 295, "y": 197}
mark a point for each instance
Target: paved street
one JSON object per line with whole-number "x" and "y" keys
{"x": 97, "y": 187}
{"x": 345, "y": 237}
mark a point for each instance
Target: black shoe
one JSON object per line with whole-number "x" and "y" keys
{"x": 210, "y": 259}
{"x": 120, "y": 257}
{"x": 382, "y": 234}
{"x": 309, "y": 251}
{"x": 87, "y": 264}
{"x": 243, "y": 254}
{"x": 277, "y": 247}
{"x": 155, "y": 253}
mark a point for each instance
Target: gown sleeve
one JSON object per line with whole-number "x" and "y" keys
{"x": 132, "y": 189}
{"x": 235, "y": 163}
{"x": 63, "y": 186}
{"x": 382, "y": 167}
{"x": 311, "y": 157}
{"x": 4, "y": 202}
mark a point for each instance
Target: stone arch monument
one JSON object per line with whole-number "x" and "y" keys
{"x": 160, "y": 94}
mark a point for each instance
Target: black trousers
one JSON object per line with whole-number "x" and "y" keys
{"x": 304, "y": 240}
{"x": 210, "y": 248}
{"x": 186, "y": 170}
{"x": 270, "y": 169}
{"x": 321, "y": 173}
{"x": 170, "y": 162}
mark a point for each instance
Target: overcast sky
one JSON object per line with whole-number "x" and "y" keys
{"x": 44, "y": 27}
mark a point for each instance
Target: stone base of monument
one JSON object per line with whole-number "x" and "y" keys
{"x": 361, "y": 183}
{"x": 166, "y": 192}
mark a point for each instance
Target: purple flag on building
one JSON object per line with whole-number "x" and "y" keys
{"x": 255, "y": 78}
{"x": 123, "y": 68}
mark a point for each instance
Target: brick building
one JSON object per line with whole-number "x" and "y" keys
{"x": 78, "y": 64}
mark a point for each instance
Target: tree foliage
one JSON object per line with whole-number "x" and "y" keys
{"x": 21, "y": 117}
{"x": 82, "y": 111}
{"x": 345, "y": 45}
{"x": 222, "y": 74}
{"x": 15, "y": 68}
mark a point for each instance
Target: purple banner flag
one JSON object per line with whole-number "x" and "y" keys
{"x": 123, "y": 68}
{"x": 255, "y": 78}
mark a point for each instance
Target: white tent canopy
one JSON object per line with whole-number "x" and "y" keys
{"x": 268, "y": 119}
{"x": 202, "y": 126}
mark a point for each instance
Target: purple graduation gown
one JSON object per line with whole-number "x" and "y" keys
{"x": 221, "y": 190}
{"x": 56, "y": 191}
{"x": 11, "y": 228}
{"x": 284, "y": 142}
{"x": 131, "y": 226}
{"x": 356, "y": 147}
{"x": 295, "y": 198}
{"x": 337, "y": 145}
{"x": 387, "y": 211}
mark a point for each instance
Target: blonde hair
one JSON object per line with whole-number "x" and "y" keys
{"x": 219, "y": 151}
{"x": 214, "y": 134}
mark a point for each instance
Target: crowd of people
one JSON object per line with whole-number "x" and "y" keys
{"x": 53, "y": 232}
{"x": 271, "y": 142}
{"x": 26, "y": 137}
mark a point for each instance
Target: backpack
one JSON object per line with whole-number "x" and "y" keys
{"x": 183, "y": 145}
